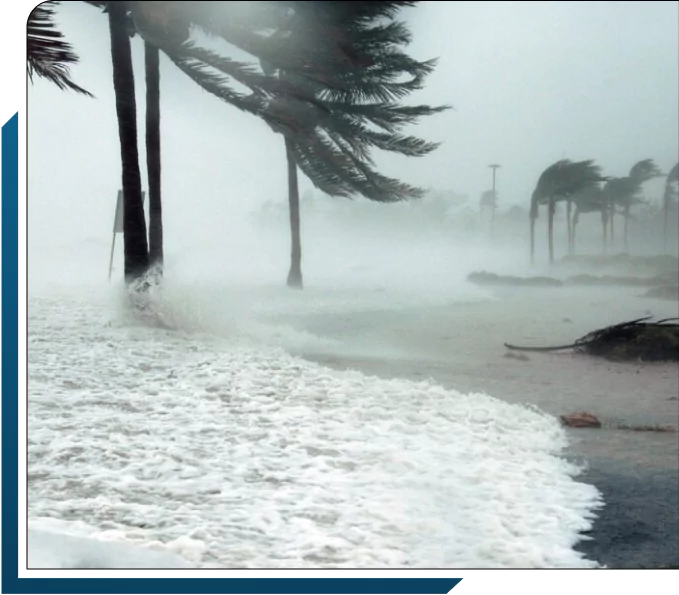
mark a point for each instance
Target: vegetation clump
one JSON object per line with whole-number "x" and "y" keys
{"x": 486, "y": 278}
{"x": 636, "y": 340}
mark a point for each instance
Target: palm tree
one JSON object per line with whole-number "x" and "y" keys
{"x": 295, "y": 273}
{"x": 623, "y": 193}
{"x": 669, "y": 194}
{"x": 160, "y": 24}
{"x": 134, "y": 222}
{"x": 560, "y": 181}
{"x": 337, "y": 96}
{"x": 316, "y": 105}
{"x": 153, "y": 160}
{"x": 167, "y": 28}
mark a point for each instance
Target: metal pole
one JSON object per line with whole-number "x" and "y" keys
{"x": 110, "y": 263}
{"x": 494, "y": 167}
{"x": 115, "y": 230}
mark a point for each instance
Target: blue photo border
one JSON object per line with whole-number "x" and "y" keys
{"x": 11, "y": 583}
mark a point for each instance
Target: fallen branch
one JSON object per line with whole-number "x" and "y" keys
{"x": 634, "y": 340}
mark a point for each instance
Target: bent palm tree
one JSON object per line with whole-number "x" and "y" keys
{"x": 333, "y": 149}
{"x": 318, "y": 104}
{"x": 560, "y": 181}
{"x": 669, "y": 195}
{"x": 623, "y": 193}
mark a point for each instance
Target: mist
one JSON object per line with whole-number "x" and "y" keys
{"x": 530, "y": 83}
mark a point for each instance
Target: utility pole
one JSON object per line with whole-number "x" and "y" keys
{"x": 494, "y": 167}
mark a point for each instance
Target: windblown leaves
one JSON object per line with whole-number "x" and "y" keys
{"x": 48, "y": 55}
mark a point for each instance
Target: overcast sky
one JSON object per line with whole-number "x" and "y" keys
{"x": 531, "y": 83}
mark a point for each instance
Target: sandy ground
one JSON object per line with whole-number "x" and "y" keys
{"x": 460, "y": 345}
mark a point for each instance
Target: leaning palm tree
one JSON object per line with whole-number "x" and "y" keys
{"x": 165, "y": 26}
{"x": 340, "y": 70}
{"x": 48, "y": 55}
{"x": 560, "y": 181}
{"x": 669, "y": 194}
{"x": 317, "y": 104}
{"x": 334, "y": 151}
{"x": 624, "y": 193}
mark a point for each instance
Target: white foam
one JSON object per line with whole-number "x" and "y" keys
{"x": 267, "y": 460}
{"x": 53, "y": 544}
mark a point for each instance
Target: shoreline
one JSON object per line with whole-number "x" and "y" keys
{"x": 636, "y": 471}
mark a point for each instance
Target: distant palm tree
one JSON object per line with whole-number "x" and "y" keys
{"x": 560, "y": 181}
{"x": 669, "y": 195}
{"x": 48, "y": 55}
{"x": 623, "y": 193}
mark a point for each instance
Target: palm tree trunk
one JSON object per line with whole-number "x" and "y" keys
{"x": 153, "y": 163}
{"x": 625, "y": 228}
{"x": 295, "y": 274}
{"x": 533, "y": 217}
{"x": 574, "y": 226}
{"x": 612, "y": 222}
{"x": 550, "y": 228}
{"x": 666, "y": 214}
{"x": 568, "y": 223}
{"x": 604, "y": 226}
{"x": 134, "y": 222}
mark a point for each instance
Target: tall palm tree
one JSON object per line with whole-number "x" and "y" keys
{"x": 560, "y": 181}
{"x": 161, "y": 25}
{"x": 134, "y": 222}
{"x": 295, "y": 274}
{"x": 669, "y": 194}
{"x": 333, "y": 149}
{"x": 153, "y": 154}
{"x": 158, "y": 23}
{"x": 318, "y": 104}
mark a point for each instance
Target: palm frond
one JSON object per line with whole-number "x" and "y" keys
{"x": 644, "y": 170}
{"x": 565, "y": 179}
{"x": 332, "y": 167}
{"x": 388, "y": 116}
{"x": 48, "y": 55}
{"x": 218, "y": 85}
{"x": 410, "y": 146}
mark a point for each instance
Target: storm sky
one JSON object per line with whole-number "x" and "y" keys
{"x": 531, "y": 83}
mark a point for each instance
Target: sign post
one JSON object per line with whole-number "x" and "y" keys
{"x": 118, "y": 226}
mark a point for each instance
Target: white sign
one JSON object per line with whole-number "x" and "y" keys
{"x": 118, "y": 219}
